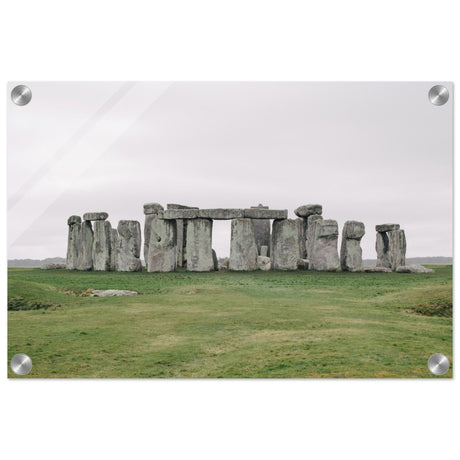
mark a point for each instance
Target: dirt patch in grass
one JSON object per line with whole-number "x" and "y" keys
{"x": 433, "y": 307}
{"x": 20, "y": 304}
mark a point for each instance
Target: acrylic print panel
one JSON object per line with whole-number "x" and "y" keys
{"x": 229, "y": 229}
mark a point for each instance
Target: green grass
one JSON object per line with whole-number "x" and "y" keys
{"x": 224, "y": 324}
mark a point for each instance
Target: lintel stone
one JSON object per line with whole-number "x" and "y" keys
{"x": 386, "y": 227}
{"x": 95, "y": 216}
{"x": 259, "y": 213}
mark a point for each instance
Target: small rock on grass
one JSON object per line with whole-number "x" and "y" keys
{"x": 111, "y": 292}
{"x": 415, "y": 268}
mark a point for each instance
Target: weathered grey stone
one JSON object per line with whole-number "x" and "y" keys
{"x": 224, "y": 264}
{"x": 113, "y": 245}
{"x": 215, "y": 260}
{"x": 243, "y": 248}
{"x": 258, "y": 213}
{"x": 324, "y": 255}
{"x": 310, "y": 235}
{"x": 85, "y": 258}
{"x": 397, "y": 240}
{"x": 152, "y": 208}
{"x": 382, "y": 247}
{"x": 73, "y": 242}
{"x": 353, "y": 230}
{"x": 111, "y": 292}
{"x": 351, "y": 259}
{"x": 162, "y": 246}
{"x": 308, "y": 210}
{"x": 285, "y": 250}
{"x": 102, "y": 249}
{"x": 304, "y": 212}
{"x": 415, "y": 268}
{"x": 302, "y": 264}
{"x": 53, "y": 266}
{"x": 199, "y": 245}
{"x": 264, "y": 263}
{"x": 262, "y": 229}
{"x": 264, "y": 251}
{"x": 74, "y": 220}
{"x": 95, "y": 216}
{"x": 224, "y": 213}
{"x": 180, "y": 214}
{"x": 377, "y": 270}
{"x": 181, "y": 234}
{"x": 128, "y": 246}
{"x": 303, "y": 226}
{"x": 386, "y": 227}
{"x": 220, "y": 214}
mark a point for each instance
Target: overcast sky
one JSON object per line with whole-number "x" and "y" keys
{"x": 372, "y": 152}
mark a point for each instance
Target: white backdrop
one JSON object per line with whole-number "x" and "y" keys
{"x": 238, "y": 40}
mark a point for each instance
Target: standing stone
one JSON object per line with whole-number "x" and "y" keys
{"x": 382, "y": 247}
{"x": 150, "y": 210}
{"x": 181, "y": 232}
{"x": 285, "y": 244}
{"x": 262, "y": 231}
{"x": 162, "y": 246}
{"x": 397, "y": 240}
{"x": 199, "y": 245}
{"x": 304, "y": 212}
{"x": 128, "y": 246}
{"x": 73, "y": 242}
{"x": 215, "y": 260}
{"x": 310, "y": 234}
{"x": 113, "y": 244}
{"x": 264, "y": 251}
{"x": 351, "y": 254}
{"x": 85, "y": 259}
{"x": 325, "y": 256}
{"x": 102, "y": 249}
{"x": 243, "y": 247}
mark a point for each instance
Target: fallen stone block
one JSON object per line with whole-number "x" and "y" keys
{"x": 377, "y": 270}
{"x": 414, "y": 268}
{"x": 264, "y": 263}
{"x": 111, "y": 293}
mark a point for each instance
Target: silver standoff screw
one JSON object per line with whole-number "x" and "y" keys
{"x": 21, "y": 364}
{"x": 438, "y": 95}
{"x": 21, "y": 95}
{"x": 438, "y": 364}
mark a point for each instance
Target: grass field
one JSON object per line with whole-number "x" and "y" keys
{"x": 224, "y": 324}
